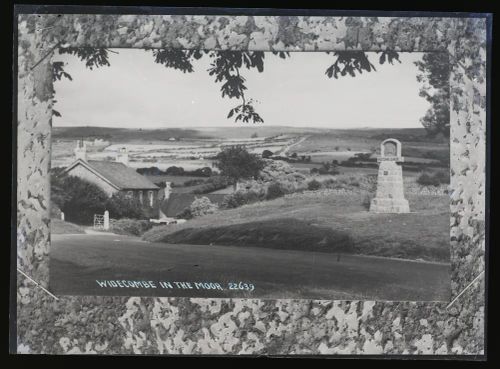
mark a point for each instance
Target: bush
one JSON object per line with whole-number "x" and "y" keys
{"x": 175, "y": 171}
{"x": 442, "y": 176}
{"x": 193, "y": 182}
{"x": 434, "y": 179}
{"x": 200, "y": 172}
{"x": 131, "y": 227}
{"x": 202, "y": 206}
{"x": 240, "y": 198}
{"x": 213, "y": 184}
{"x": 426, "y": 179}
{"x": 185, "y": 214}
{"x": 77, "y": 198}
{"x": 122, "y": 206}
{"x": 328, "y": 168}
{"x": 275, "y": 190}
{"x": 314, "y": 185}
{"x": 267, "y": 154}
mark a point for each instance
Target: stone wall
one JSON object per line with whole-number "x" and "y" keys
{"x": 127, "y": 325}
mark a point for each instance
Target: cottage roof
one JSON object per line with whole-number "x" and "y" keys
{"x": 177, "y": 202}
{"x": 118, "y": 174}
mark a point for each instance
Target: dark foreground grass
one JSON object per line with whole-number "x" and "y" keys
{"x": 286, "y": 234}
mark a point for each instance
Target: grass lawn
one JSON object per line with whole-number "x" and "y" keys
{"x": 421, "y": 234}
{"x": 58, "y": 226}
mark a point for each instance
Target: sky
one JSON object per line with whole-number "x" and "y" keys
{"x": 137, "y": 92}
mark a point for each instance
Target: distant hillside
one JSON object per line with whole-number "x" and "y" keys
{"x": 128, "y": 134}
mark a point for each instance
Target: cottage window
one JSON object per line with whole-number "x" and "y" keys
{"x": 130, "y": 193}
{"x": 150, "y": 195}
{"x": 141, "y": 197}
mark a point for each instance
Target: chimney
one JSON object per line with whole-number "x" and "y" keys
{"x": 122, "y": 156}
{"x": 168, "y": 190}
{"x": 80, "y": 150}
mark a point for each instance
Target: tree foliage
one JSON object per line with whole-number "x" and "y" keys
{"x": 236, "y": 163}
{"x": 226, "y": 67}
{"x": 78, "y": 199}
{"x": 122, "y": 206}
{"x": 435, "y": 76}
{"x": 94, "y": 57}
{"x": 267, "y": 154}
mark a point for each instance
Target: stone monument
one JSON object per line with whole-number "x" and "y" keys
{"x": 390, "y": 195}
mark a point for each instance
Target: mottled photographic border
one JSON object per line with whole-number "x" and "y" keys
{"x": 143, "y": 325}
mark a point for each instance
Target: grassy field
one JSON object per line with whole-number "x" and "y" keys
{"x": 58, "y": 226}
{"x": 421, "y": 234}
{"x": 334, "y": 144}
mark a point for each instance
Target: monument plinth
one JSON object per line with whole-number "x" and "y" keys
{"x": 390, "y": 194}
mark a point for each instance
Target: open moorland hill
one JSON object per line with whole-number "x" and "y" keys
{"x": 323, "y": 222}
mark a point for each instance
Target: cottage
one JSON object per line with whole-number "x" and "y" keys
{"x": 114, "y": 177}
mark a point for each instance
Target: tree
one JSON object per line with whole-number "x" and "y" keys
{"x": 77, "y": 198}
{"x": 267, "y": 154}
{"x": 236, "y": 163}
{"x": 435, "y": 76}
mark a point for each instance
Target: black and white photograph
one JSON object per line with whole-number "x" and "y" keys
{"x": 318, "y": 175}
{"x": 251, "y": 182}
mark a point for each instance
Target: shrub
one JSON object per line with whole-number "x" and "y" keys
{"x": 239, "y": 198}
{"x": 122, "y": 206}
{"x": 426, "y": 179}
{"x": 213, "y": 184}
{"x": 434, "y": 179}
{"x": 200, "y": 172}
{"x": 267, "y": 154}
{"x": 442, "y": 176}
{"x": 175, "y": 171}
{"x": 185, "y": 214}
{"x": 202, "y": 206}
{"x": 328, "y": 168}
{"x": 77, "y": 198}
{"x": 193, "y": 182}
{"x": 132, "y": 227}
{"x": 55, "y": 211}
{"x": 275, "y": 190}
{"x": 314, "y": 185}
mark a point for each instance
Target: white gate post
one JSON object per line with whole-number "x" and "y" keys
{"x": 106, "y": 220}
{"x": 62, "y": 216}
